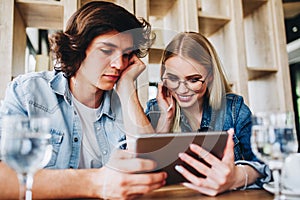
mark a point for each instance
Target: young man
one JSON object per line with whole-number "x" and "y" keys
{"x": 88, "y": 97}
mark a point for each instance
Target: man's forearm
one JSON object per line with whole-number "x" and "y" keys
{"x": 52, "y": 184}
{"x": 66, "y": 183}
{"x": 134, "y": 118}
{"x": 9, "y": 184}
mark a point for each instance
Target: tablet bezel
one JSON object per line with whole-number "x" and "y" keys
{"x": 165, "y": 147}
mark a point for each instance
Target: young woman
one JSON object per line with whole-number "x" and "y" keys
{"x": 98, "y": 51}
{"x": 195, "y": 96}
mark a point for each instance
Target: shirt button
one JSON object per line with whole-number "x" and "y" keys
{"x": 104, "y": 152}
{"x": 71, "y": 167}
{"x": 75, "y": 113}
{"x": 98, "y": 128}
{"x": 75, "y": 139}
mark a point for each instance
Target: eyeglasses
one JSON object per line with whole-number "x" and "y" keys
{"x": 173, "y": 82}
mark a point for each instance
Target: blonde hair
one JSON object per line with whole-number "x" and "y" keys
{"x": 195, "y": 46}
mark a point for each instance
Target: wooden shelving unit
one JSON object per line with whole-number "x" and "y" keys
{"x": 255, "y": 73}
{"x": 250, "y": 6}
{"x": 160, "y": 8}
{"x": 209, "y": 24}
{"x": 41, "y": 14}
{"x": 212, "y": 16}
{"x": 249, "y": 36}
{"x": 155, "y": 55}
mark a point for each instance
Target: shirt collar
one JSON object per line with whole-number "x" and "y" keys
{"x": 60, "y": 85}
{"x": 206, "y": 118}
{"x": 106, "y": 106}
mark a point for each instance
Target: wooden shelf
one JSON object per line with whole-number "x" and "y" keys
{"x": 155, "y": 55}
{"x": 250, "y": 5}
{"x": 41, "y": 14}
{"x": 259, "y": 72}
{"x": 159, "y": 8}
{"x": 209, "y": 24}
{"x": 291, "y": 9}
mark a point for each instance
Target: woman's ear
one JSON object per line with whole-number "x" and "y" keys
{"x": 210, "y": 78}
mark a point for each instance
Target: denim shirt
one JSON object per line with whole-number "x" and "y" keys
{"x": 235, "y": 115}
{"x": 48, "y": 94}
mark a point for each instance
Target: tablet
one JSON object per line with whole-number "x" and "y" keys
{"x": 164, "y": 148}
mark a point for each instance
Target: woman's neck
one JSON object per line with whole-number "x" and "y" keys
{"x": 194, "y": 114}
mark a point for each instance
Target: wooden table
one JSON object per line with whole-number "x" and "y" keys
{"x": 180, "y": 192}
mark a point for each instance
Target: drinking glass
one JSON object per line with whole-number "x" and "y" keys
{"x": 273, "y": 139}
{"x": 25, "y": 148}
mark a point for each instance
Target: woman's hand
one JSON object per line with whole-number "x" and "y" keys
{"x": 119, "y": 178}
{"x": 221, "y": 176}
{"x": 165, "y": 100}
{"x": 167, "y": 107}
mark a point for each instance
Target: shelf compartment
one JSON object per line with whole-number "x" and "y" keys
{"x": 251, "y": 5}
{"x": 159, "y": 8}
{"x": 155, "y": 55}
{"x": 264, "y": 94}
{"x": 214, "y": 7}
{"x": 209, "y": 24}
{"x": 255, "y": 73}
{"x": 260, "y": 39}
{"x": 41, "y": 14}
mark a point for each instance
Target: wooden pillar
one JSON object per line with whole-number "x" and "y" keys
{"x": 70, "y": 6}
{"x": 141, "y": 10}
{"x": 19, "y": 44}
{"x": 6, "y": 40}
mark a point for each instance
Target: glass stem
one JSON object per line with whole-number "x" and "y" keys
{"x": 278, "y": 185}
{"x": 26, "y": 181}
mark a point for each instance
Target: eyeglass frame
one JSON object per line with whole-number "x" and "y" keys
{"x": 185, "y": 84}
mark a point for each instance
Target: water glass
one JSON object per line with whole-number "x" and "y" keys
{"x": 25, "y": 147}
{"x": 273, "y": 139}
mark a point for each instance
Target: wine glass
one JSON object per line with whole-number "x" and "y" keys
{"x": 25, "y": 147}
{"x": 273, "y": 139}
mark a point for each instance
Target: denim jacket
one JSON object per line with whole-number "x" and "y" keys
{"x": 48, "y": 94}
{"x": 235, "y": 115}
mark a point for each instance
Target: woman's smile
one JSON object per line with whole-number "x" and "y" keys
{"x": 184, "y": 98}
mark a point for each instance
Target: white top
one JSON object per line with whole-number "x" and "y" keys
{"x": 90, "y": 151}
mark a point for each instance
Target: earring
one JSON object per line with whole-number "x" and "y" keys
{"x": 74, "y": 82}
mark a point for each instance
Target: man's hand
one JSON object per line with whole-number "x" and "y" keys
{"x": 121, "y": 178}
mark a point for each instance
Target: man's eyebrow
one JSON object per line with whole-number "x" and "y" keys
{"x": 109, "y": 44}
{"x": 115, "y": 46}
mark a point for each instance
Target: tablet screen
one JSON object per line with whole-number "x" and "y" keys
{"x": 164, "y": 148}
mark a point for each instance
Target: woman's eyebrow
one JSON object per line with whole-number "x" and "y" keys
{"x": 169, "y": 73}
{"x": 194, "y": 75}
{"x": 187, "y": 77}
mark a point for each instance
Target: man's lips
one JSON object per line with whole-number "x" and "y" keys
{"x": 112, "y": 76}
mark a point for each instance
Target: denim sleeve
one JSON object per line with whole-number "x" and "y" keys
{"x": 243, "y": 132}
{"x": 262, "y": 169}
{"x": 152, "y": 112}
{"x": 14, "y": 101}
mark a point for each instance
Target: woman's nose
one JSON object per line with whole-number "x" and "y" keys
{"x": 182, "y": 88}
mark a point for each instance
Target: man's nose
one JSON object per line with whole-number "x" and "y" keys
{"x": 117, "y": 62}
